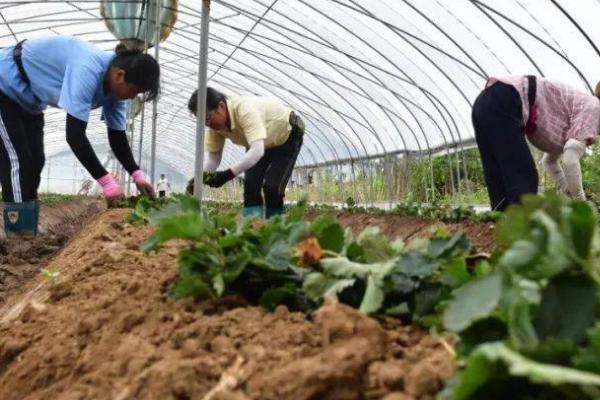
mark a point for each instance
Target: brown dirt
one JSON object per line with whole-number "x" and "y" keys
{"x": 481, "y": 235}
{"x": 20, "y": 259}
{"x": 103, "y": 329}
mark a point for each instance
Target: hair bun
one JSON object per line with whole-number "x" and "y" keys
{"x": 123, "y": 49}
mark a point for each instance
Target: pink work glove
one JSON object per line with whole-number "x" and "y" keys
{"x": 142, "y": 184}
{"x": 111, "y": 189}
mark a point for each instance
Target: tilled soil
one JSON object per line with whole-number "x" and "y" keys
{"x": 481, "y": 235}
{"x": 103, "y": 329}
{"x": 21, "y": 259}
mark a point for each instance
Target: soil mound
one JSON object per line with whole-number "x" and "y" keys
{"x": 21, "y": 259}
{"x": 103, "y": 329}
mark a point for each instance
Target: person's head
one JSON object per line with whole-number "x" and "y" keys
{"x": 597, "y": 90}
{"x": 217, "y": 116}
{"x": 131, "y": 72}
{"x": 162, "y": 176}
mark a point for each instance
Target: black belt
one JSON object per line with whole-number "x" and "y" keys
{"x": 531, "y": 89}
{"x": 531, "y": 125}
{"x": 17, "y": 56}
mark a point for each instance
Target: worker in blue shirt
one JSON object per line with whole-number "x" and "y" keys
{"x": 77, "y": 77}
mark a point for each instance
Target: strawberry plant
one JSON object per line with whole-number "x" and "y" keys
{"x": 531, "y": 328}
{"x": 286, "y": 260}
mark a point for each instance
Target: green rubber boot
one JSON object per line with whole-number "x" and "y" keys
{"x": 253, "y": 212}
{"x": 271, "y": 212}
{"x": 21, "y": 218}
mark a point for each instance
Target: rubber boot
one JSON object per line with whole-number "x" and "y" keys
{"x": 253, "y": 212}
{"x": 271, "y": 212}
{"x": 21, "y": 218}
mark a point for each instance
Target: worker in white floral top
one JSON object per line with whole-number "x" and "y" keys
{"x": 559, "y": 120}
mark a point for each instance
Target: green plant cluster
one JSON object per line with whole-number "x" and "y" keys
{"x": 442, "y": 212}
{"x": 286, "y": 260}
{"x": 530, "y": 329}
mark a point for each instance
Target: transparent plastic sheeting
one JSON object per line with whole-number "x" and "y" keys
{"x": 369, "y": 77}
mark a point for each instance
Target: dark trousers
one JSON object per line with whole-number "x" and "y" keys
{"x": 272, "y": 173}
{"x": 508, "y": 166}
{"x": 21, "y": 151}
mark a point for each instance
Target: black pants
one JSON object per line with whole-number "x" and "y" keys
{"x": 21, "y": 151}
{"x": 508, "y": 166}
{"x": 272, "y": 173}
{"x": 162, "y": 193}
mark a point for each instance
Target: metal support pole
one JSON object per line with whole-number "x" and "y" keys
{"x": 201, "y": 108}
{"x": 155, "y": 101}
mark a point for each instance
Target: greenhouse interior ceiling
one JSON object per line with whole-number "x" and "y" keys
{"x": 370, "y": 78}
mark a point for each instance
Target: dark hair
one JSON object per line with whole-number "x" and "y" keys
{"x": 140, "y": 69}
{"x": 213, "y": 97}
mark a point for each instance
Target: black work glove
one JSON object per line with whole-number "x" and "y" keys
{"x": 219, "y": 178}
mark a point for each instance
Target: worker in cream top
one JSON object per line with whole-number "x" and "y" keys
{"x": 272, "y": 135}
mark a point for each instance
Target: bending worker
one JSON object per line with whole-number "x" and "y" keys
{"x": 555, "y": 118}
{"x": 75, "y": 76}
{"x": 272, "y": 135}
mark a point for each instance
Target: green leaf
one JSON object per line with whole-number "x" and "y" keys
{"x": 568, "y": 308}
{"x": 376, "y": 246}
{"x": 520, "y": 326}
{"x": 588, "y": 357}
{"x": 355, "y": 252}
{"x": 472, "y": 302}
{"x": 416, "y": 264}
{"x": 427, "y": 298}
{"x": 190, "y": 286}
{"x": 328, "y": 232}
{"x": 521, "y": 254}
{"x": 582, "y": 221}
{"x": 273, "y": 297}
{"x": 154, "y": 216}
{"x": 489, "y": 361}
{"x": 489, "y": 329}
{"x": 439, "y": 247}
{"x": 373, "y": 298}
{"x": 190, "y": 225}
{"x": 317, "y": 286}
{"x": 536, "y": 372}
{"x": 342, "y": 267}
{"x": 296, "y": 212}
{"x": 399, "y": 310}
{"x": 455, "y": 273}
{"x": 477, "y": 372}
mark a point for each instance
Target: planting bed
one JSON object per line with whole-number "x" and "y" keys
{"x": 100, "y": 326}
{"x": 21, "y": 259}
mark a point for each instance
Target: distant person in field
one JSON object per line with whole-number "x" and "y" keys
{"x": 272, "y": 135}
{"x": 555, "y": 118}
{"x": 73, "y": 75}
{"x": 163, "y": 186}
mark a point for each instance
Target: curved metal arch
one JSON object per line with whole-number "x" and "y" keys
{"x": 479, "y": 5}
{"x": 334, "y": 152}
{"x": 372, "y": 129}
{"x": 279, "y": 25}
{"x": 579, "y": 28}
{"x": 400, "y": 69}
{"x": 342, "y": 136}
{"x": 326, "y": 105}
{"x": 237, "y": 87}
{"x": 312, "y": 100}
